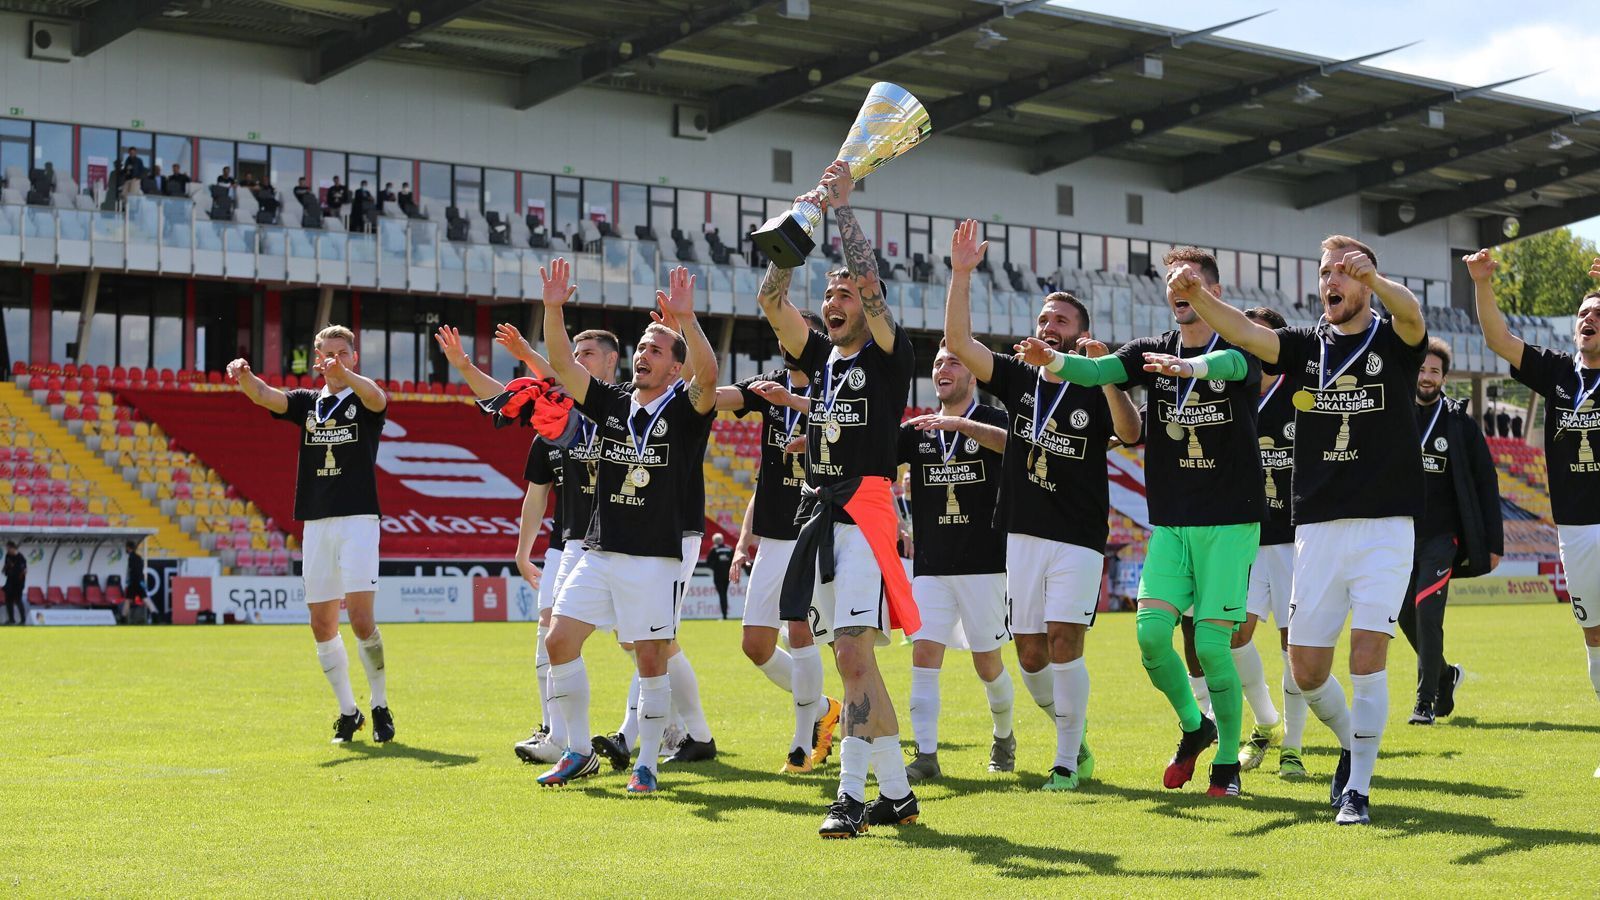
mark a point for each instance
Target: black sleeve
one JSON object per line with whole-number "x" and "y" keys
{"x": 1487, "y": 481}
{"x": 904, "y": 357}
{"x": 599, "y": 398}
{"x": 1132, "y": 356}
{"x": 753, "y": 400}
{"x": 538, "y": 470}
{"x": 1294, "y": 343}
{"x": 1003, "y": 375}
{"x": 907, "y": 444}
{"x": 815, "y": 353}
{"x": 1412, "y": 354}
{"x": 301, "y": 400}
{"x": 1542, "y": 368}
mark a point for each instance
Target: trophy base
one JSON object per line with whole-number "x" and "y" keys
{"x": 784, "y": 241}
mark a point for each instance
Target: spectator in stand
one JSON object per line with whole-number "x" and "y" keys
{"x": 720, "y": 559}
{"x": 387, "y": 195}
{"x": 16, "y": 574}
{"x": 152, "y": 182}
{"x": 408, "y": 201}
{"x": 226, "y": 177}
{"x": 361, "y": 209}
{"x": 1516, "y": 427}
{"x": 268, "y": 198}
{"x": 338, "y": 199}
{"x": 1488, "y": 422}
{"x": 1502, "y": 421}
{"x": 133, "y": 581}
{"x": 130, "y": 173}
{"x": 1150, "y": 270}
{"x": 302, "y": 192}
{"x": 177, "y": 182}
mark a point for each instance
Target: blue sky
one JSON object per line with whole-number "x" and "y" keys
{"x": 1464, "y": 41}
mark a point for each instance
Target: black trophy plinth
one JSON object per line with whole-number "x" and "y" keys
{"x": 784, "y": 240}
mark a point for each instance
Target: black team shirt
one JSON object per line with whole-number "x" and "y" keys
{"x": 579, "y": 466}
{"x": 955, "y": 486}
{"x": 1571, "y": 435}
{"x": 337, "y": 474}
{"x": 630, "y": 517}
{"x": 1355, "y": 453}
{"x": 777, "y": 499}
{"x": 1055, "y": 489}
{"x": 545, "y": 466}
{"x": 1199, "y": 476}
{"x": 1275, "y": 430}
{"x": 1439, "y": 515}
{"x": 870, "y": 390}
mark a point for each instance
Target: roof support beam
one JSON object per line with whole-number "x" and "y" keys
{"x": 336, "y": 53}
{"x": 1066, "y": 147}
{"x": 549, "y": 78}
{"x": 1492, "y": 232}
{"x": 1398, "y": 215}
{"x": 111, "y": 20}
{"x": 960, "y": 109}
{"x": 772, "y": 91}
{"x": 1373, "y": 173}
{"x": 1204, "y": 168}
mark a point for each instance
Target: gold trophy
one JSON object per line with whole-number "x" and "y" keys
{"x": 890, "y": 122}
{"x": 1194, "y": 444}
{"x": 1272, "y": 481}
{"x": 1342, "y": 442}
{"x": 951, "y": 507}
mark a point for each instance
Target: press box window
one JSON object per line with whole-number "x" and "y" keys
{"x": 782, "y": 166}
{"x": 1135, "y": 209}
{"x": 1063, "y": 199}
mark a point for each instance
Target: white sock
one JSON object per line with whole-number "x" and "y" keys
{"x": 370, "y": 649}
{"x": 1202, "y": 693}
{"x": 1001, "y": 701}
{"x": 1072, "y": 704}
{"x": 779, "y": 669}
{"x": 335, "y": 662}
{"x": 569, "y": 691}
{"x": 1294, "y": 708}
{"x": 686, "y": 697}
{"x": 890, "y": 765}
{"x": 1369, "y": 711}
{"x": 808, "y": 697}
{"x": 924, "y": 711}
{"x": 541, "y": 675}
{"x": 1041, "y": 686}
{"x": 1326, "y": 700}
{"x": 855, "y": 755}
{"x": 1253, "y": 678}
{"x": 1594, "y": 669}
{"x": 629, "y": 728}
{"x": 655, "y": 702}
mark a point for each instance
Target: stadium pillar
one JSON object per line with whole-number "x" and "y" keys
{"x": 91, "y": 296}
{"x": 1480, "y": 399}
{"x": 188, "y": 326}
{"x": 725, "y": 345}
{"x": 39, "y": 337}
{"x": 324, "y": 308}
{"x": 272, "y": 332}
{"x": 483, "y": 337}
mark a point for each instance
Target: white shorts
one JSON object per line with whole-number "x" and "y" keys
{"x": 1349, "y": 568}
{"x": 691, "y": 557}
{"x": 636, "y": 596}
{"x": 1580, "y": 557}
{"x": 963, "y": 612}
{"x": 548, "y": 578}
{"x": 764, "y": 584}
{"x": 855, "y": 598}
{"x": 1050, "y": 581}
{"x": 1271, "y": 580}
{"x": 339, "y": 556}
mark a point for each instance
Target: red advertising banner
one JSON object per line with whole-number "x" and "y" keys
{"x": 489, "y": 598}
{"x": 449, "y": 484}
{"x": 190, "y": 597}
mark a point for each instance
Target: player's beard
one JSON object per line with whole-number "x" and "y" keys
{"x": 1426, "y": 396}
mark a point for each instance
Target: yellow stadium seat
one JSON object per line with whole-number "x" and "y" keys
{"x": 22, "y": 505}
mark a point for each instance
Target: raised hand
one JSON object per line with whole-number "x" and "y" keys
{"x": 1088, "y": 346}
{"x": 663, "y": 318}
{"x": 965, "y": 249}
{"x": 330, "y": 365}
{"x": 557, "y": 290}
{"x": 1183, "y": 281}
{"x": 837, "y": 184}
{"x": 1481, "y": 266}
{"x": 815, "y": 197}
{"x": 237, "y": 369}
{"x": 1594, "y": 268}
{"x": 678, "y": 300}
{"x": 776, "y": 394}
{"x": 1034, "y": 352}
{"x": 510, "y": 337}
{"x": 1167, "y": 364}
{"x": 449, "y": 341}
{"x": 936, "y": 422}
{"x": 1359, "y": 266}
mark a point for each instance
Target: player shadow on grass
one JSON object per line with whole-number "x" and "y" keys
{"x": 1010, "y": 859}
{"x": 358, "y": 750}
{"x": 1470, "y": 722}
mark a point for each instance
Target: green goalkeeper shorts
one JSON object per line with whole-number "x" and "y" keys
{"x": 1206, "y": 567}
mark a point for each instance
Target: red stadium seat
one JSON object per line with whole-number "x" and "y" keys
{"x": 168, "y": 377}
{"x": 19, "y": 368}
{"x": 71, "y": 414}
{"x": 75, "y": 596}
{"x": 94, "y": 596}
{"x": 214, "y": 377}
{"x": 101, "y": 373}
{"x": 53, "y": 597}
{"x": 36, "y": 596}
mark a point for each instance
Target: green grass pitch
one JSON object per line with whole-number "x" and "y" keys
{"x": 196, "y": 762}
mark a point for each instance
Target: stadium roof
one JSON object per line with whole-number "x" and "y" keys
{"x": 1068, "y": 85}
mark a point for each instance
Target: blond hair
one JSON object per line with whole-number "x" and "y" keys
{"x": 1346, "y": 242}
{"x": 335, "y": 331}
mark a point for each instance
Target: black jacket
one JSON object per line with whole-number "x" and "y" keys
{"x": 1480, "y": 530}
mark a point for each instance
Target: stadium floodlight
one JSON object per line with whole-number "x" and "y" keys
{"x": 1559, "y": 141}
{"x": 1305, "y": 93}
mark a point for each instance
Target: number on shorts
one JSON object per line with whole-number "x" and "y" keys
{"x": 1578, "y": 612}
{"x": 816, "y": 623}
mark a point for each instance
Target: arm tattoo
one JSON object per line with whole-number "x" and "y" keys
{"x": 695, "y": 393}
{"x": 858, "y": 256}
{"x": 856, "y": 714}
{"x": 774, "y": 288}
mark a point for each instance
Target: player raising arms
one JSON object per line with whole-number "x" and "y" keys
{"x": 1357, "y": 490}
{"x": 336, "y": 496}
{"x": 651, "y": 438}
{"x": 1054, "y": 500}
{"x": 1201, "y": 468}
{"x": 844, "y": 576}
{"x": 1569, "y": 382}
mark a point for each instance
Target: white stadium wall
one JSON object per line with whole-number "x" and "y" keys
{"x": 225, "y": 89}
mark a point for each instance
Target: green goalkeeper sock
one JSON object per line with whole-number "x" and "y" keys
{"x": 1164, "y": 665}
{"x": 1212, "y": 643}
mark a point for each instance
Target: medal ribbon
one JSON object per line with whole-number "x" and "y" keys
{"x": 791, "y": 417}
{"x": 1267, "y": 397}
{"x": 1583, "y": 392}
{"x": 1323, "y": 378}
{"x": 640, "y": 443}
{"x": 832, "y": 387}
{"x": 948, "y": 451}
{"x": 1183, "y": 397}
{"x": 316, "y": 414}
{"x": 1435, "y": 420}
{"x": 1038, "y": 403}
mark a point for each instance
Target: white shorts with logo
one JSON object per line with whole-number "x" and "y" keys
{"x": 635, "y": 596}
{"x": 855, "y": 598}
{"x": 1580, "y": 557}
{"x": 1358, "y": 569}
{"x": 548, "y": 577}
{"x": 691, "y": 557}
{"x": 340, "y": 556}
{"x": 963, "y": 612}
{"x": 764, "y": 584}
{"x": 1271, "y": 580}
{"x": 1050, "y": 581}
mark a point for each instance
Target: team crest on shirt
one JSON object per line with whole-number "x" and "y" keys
{"x": 1217, "y": 386}
{"x": 1079, "y": 419}
{"x": 350, "y": 412}
{"x": 857, "y": 378}
{"x": 1288, "y": 430}
{"x": 971, "y": 445}
{"x": 661, "y": 428}
{"x": 1374, "y": 364}
{"x": 1440, "y": 444}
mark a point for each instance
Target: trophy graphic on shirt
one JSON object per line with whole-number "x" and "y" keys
{"x": 327, "y": 459}
{"x": 1585, "y": 449}
{"x": 1040, "y": 466}
{"x": 1272, "y": 481}
{"x": 1341, "y": 443}
{"x": 830, "y": 433}
{"x": 796, "y": 467}
{"x": 1194, "y": 443}
{"x": 593, "y": 465}
{"x": 951, "y": 506}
